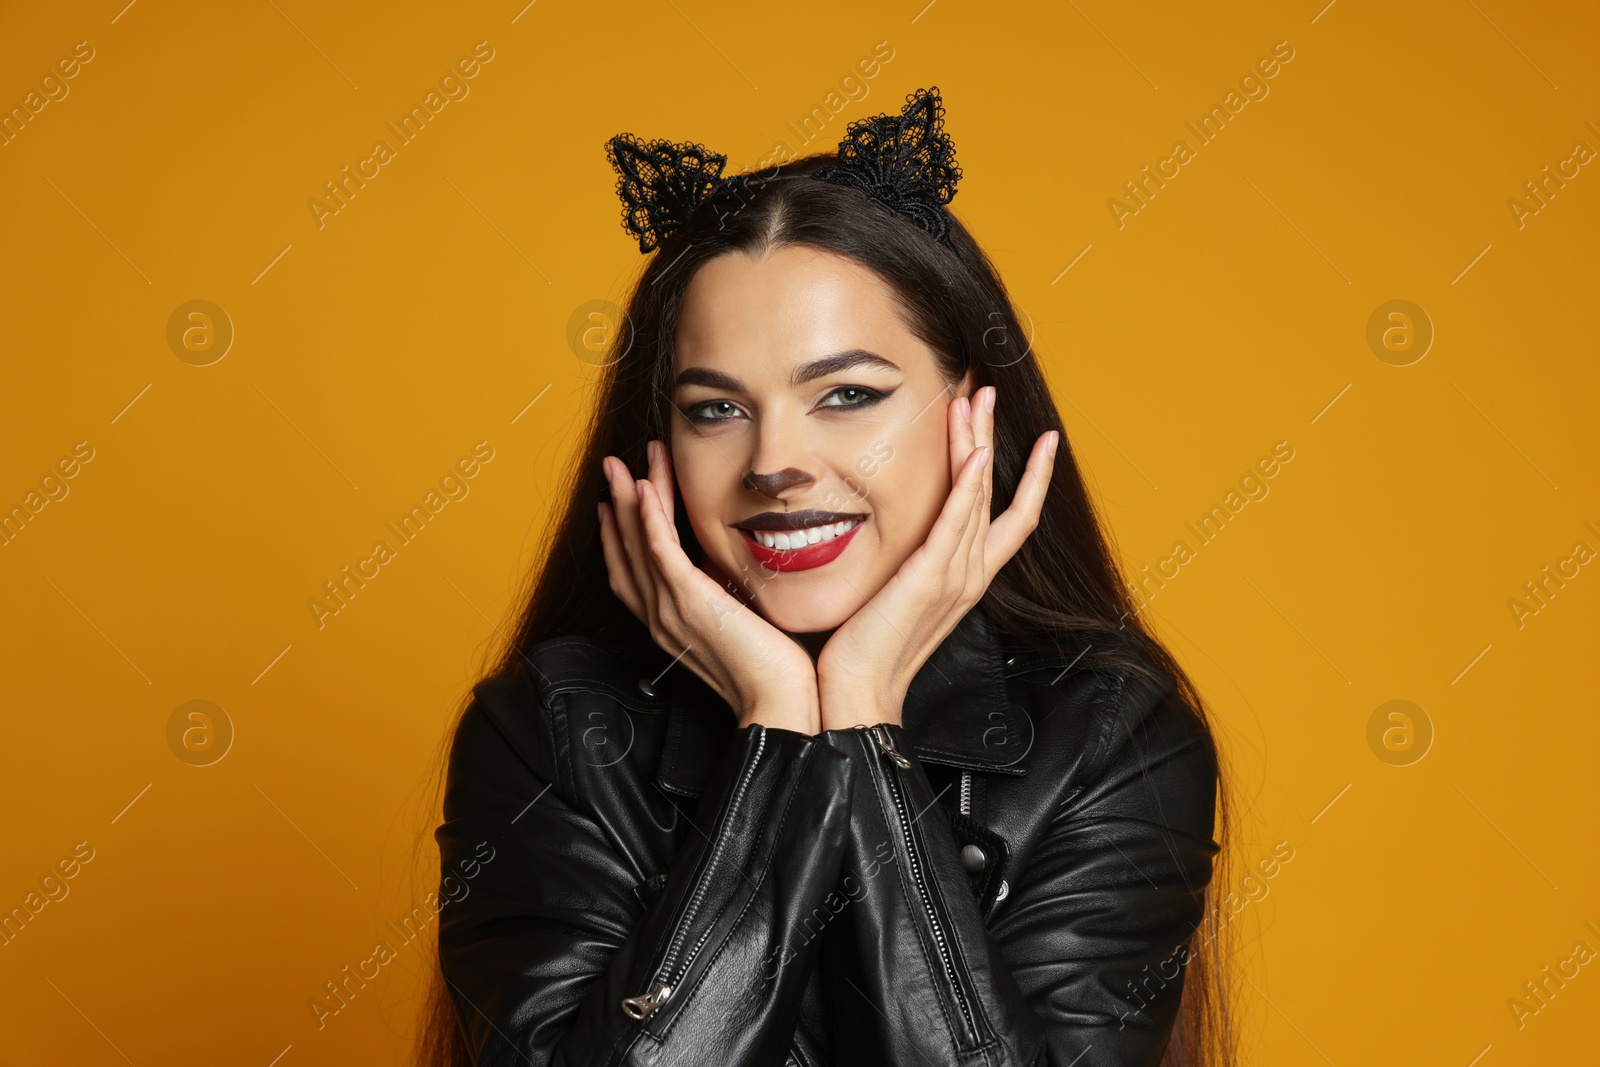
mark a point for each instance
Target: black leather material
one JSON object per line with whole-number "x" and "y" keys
{"x": 815, "y": 908}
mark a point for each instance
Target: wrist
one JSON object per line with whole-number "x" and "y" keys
{"x": 848, "y": 715}
{"x": 848, "y": 701}
{"x": 800, "y": 717}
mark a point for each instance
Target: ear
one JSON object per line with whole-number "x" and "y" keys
{"x": 965, "y": 386}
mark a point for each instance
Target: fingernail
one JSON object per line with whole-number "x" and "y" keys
{"x": 1055, "y": 439}
{"x": 988, "y": 401}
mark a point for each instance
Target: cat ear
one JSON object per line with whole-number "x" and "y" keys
{"x": 906, "y": 161}
{"x": 660, "y": 184}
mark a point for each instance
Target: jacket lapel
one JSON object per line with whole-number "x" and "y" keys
{"x": 699, "y": 724}
{"x": 957, "y": 711}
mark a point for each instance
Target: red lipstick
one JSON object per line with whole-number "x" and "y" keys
{"x": 799, "y": 559}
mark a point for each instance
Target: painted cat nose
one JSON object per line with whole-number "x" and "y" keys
{"x": 777, "y": 482}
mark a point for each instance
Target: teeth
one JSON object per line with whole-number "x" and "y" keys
{"x": 792, "y": 539}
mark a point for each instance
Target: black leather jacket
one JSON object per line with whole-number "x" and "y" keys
{"x": 1008, "y": 878}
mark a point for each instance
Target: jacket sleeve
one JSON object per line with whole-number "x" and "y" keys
{"x": 1081, "y": 964}
{"x": 551, "y": 957}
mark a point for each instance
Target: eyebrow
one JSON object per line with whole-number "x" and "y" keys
{"x": 816, "y": 368}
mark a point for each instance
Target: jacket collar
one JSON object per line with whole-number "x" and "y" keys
{"x": 957, "y": 712}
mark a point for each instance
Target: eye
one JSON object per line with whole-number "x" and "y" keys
{"x": 713, "y": 411}
{"x": 853, "y": 396}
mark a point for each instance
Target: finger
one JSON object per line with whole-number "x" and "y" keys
{"x": 661, "y": 477}
{"x": 1009, "y": 530}
{"x": 983, "y": 434}
{"x": 963, "y": 443}
{"x": 680, "y": 578}
{"x": 617, "y": 565}
{"x": 959, "y": 417}
{"x": 680, "y": 589}
{"x": 678, "y": 584}
{"x": 657, "y": 591}
{"x": 962, "y": 556}
{"x": 625, "y": 501}
{"x": 956, "y": 515}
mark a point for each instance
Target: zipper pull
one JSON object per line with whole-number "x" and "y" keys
{"x": 640, "y": 1007}
{"x": 882, "y": 737}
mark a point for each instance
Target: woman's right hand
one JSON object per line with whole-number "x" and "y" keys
{"x": 763, "y": 673}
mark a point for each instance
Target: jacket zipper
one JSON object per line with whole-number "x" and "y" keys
{"x": 882, "y": 737}
{"x": 966, "y": 792}
{"x": 671, "y": 971}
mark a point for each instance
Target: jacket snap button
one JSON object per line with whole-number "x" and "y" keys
{"x": 973, "y": 859}
{"x": 646, "y": 688}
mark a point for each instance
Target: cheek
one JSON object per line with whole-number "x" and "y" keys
{"x": 705, "y": 482}
{"x": 912, "y": 486}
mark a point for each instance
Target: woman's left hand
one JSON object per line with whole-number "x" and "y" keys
{"x": 867, "y": 665}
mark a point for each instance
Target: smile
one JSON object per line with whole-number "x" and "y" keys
{"x": 800, "y": 550}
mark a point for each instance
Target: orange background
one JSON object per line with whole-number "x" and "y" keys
{"x": 370, "y": 354}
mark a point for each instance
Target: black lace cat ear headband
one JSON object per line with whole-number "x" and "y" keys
{"x": 905, "y": 162}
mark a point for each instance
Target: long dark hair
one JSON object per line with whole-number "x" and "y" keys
{"x": 1062, "y": 590}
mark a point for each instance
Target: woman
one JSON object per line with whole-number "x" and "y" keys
{"x": 829, "y": 736}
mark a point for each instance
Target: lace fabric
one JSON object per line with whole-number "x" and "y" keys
{"x": 661, "y": 183}
{"x": 905, "y": 162}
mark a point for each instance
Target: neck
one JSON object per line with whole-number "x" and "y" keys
{"x": 812, "y": 642}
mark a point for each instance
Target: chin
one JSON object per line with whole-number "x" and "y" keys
{"x": 824, "y": 607}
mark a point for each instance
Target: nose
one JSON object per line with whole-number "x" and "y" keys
{"x": 779, "y": 438}
{"x": 778, "y": 482}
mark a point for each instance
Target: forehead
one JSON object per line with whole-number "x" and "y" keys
{"x": 771, "y": 311}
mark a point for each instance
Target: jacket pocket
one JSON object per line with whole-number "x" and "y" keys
{"x": 984, "y": 856}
